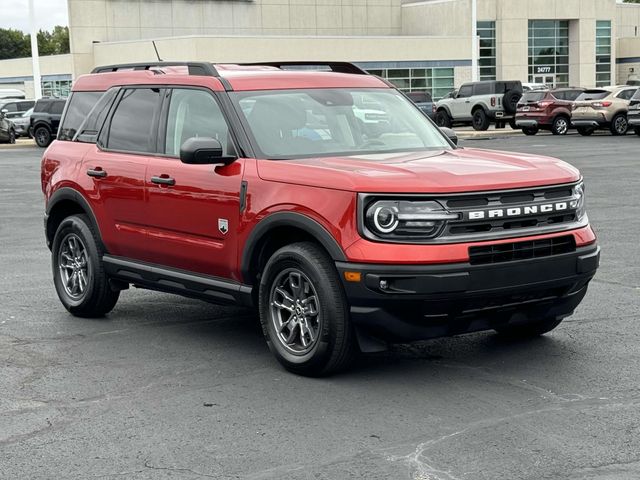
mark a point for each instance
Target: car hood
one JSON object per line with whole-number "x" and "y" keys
{"x": 441, "y": 171}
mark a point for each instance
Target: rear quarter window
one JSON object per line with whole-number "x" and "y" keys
{"x": 80, "y": 104}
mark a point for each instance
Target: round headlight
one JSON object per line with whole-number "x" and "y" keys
{"x": 385, "y": 218}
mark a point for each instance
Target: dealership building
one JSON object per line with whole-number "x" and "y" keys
{"x": 418, "y": 45}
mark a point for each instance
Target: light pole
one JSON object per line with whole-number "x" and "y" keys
{"x": 474, "y": 40}
{"x": 37, "y": 84}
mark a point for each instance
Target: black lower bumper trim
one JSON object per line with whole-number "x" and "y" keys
{"x": 411, "y": 302}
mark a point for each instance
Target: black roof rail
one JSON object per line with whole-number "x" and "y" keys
{"x": 195, "y": 68}
{"x": 338, "y": 67}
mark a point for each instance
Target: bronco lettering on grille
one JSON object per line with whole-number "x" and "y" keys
{"x": 517, "y": 211}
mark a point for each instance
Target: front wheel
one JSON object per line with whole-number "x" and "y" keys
{"x": 42, "y": 136}
{"x": 529, "y": 330}
{"x": 619, "y": 125}
{"x": 304, "y": 311}
{"x": 443, "y": 119}
{"x": 78, "y": 272}
{"x": 585, "y": 131}
{"x": 12, "y": 136}
{"x": 480, "y": 120}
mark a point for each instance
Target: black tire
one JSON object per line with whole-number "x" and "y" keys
{"x": 334, "y": 345}
{"x": 12, "y": 136}
{"x": 481, "y": 121}
{"x": 42, "y": 136}
{"x": 98, "y": 298}
{"x": 637, "y": 130}
{"x": 512, "y": 124}
{"x": 619, "y": 125}
{"x": 529, "y": 330}
{"x": 585, "y": 131}
{"x": 529, "y": 130}
{"x": 443, "y": 119}
{"x": 560, "y": 125}
{"x": 510, "y": 101}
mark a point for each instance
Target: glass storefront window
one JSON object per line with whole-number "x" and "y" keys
{"x": 487, "y": 60}
{"x": 603, "y": 53}
{"x": 549, "y": 52}
{"x": 436, "y": 81}
{"x": 56, "y": 88}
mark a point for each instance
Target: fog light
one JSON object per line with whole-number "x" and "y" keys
{"x": 384, "y": 284}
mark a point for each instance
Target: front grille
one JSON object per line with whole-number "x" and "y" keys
{"x": 505, "y": 224}
{"x": 507, "y": 252}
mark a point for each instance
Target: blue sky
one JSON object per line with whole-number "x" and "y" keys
{"x": 15, "y": 14}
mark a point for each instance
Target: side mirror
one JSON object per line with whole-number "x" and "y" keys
{"x": 204, "y": 151}
{"x": 451, "y": 134}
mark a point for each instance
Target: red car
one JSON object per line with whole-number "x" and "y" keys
{"x": 325, "y": 199}
{"x": 546, "y": 110}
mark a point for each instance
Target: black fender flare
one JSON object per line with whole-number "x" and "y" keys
{"x": 68, "y": 194}
{"x": 446, "y": 109}
{"x": 288, "y": 219}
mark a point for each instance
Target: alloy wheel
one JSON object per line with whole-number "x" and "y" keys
{"x": 621, "y": 125}
{"x": 74, "y": 266}
{"x": 562, "y": 126}
{"x": 295, "y": 311}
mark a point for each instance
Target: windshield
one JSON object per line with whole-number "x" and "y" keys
{"x": 328, "y": 122}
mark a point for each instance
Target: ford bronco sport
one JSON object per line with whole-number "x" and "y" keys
{"x": 262, "y": 186}
{"x": 480, "y": 104}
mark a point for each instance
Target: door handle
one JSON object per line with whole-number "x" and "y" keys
{"x": 163, "y": 180}
{"x": 97, "y": 172}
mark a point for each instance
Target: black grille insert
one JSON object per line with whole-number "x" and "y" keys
{"x": 507, "y": 252}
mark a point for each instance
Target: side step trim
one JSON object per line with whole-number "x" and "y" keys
{"x": 172, "y": 280}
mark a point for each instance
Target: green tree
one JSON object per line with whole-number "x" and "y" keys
{"x": 13, "y": 44}
{"x": 17, "y": 44}
{"x": 631, "y": 1}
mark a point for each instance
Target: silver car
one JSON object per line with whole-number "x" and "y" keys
{"x": 22, "y": 123}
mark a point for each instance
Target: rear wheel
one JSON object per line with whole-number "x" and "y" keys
{"x": 480, "y": 120}
{"x": 304, "y": 311}
{"x": 619, "y": 125}
{"x": 443, "y": 119}
{"x": 637, "y": 130}
{"x": 42, "y": 136}
{"x": 585, "y": 131}
{"x": 78, "y": 272}
{"x": 560, "y": 126}
{"x": 529, "y": 130}
{"x": 528, "y": 330}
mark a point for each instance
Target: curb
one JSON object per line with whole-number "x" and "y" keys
{"x": 19, "y": 144}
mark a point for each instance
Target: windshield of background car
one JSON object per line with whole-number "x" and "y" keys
{"x": 531, "y": 97}
{"x": 289, "y": 124}
{"x": 593, "y": 95}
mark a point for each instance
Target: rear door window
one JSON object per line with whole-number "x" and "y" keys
{"x": 80, "y": 104}
{"x": 482, "y": 89}
{"x": 134, "y": 122}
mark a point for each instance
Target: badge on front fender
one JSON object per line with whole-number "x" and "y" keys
{"x": 223, "y": 225}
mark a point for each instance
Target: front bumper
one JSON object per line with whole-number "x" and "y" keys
{"x": 428, "y": 301}
{"x": 21, "y": 130}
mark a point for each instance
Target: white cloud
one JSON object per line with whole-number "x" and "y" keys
{"x": 49, "y": 13}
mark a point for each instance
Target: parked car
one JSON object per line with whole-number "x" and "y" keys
{"x": 480, "y": 104}
{"x": 11, "y": 93}
{"x": 15, "y": 108}
{"x": 527, "y": 87}
{"x": 633, "y": 115}
{"x": 424, "y": 102}
{"x": 242, "y": 185}
{"x": 546, "y": 110}
{"x": 22, "y": 124}
{"x": 45, "y": 120}
{"x": 602, "y": 108}
{"x": 7, "y": 130}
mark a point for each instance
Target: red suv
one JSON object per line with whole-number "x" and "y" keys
{"x": 326, "y": 199}
{"x": 546, "y": 110}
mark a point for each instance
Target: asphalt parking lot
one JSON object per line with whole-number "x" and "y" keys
{"x": 166, "y": 387}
